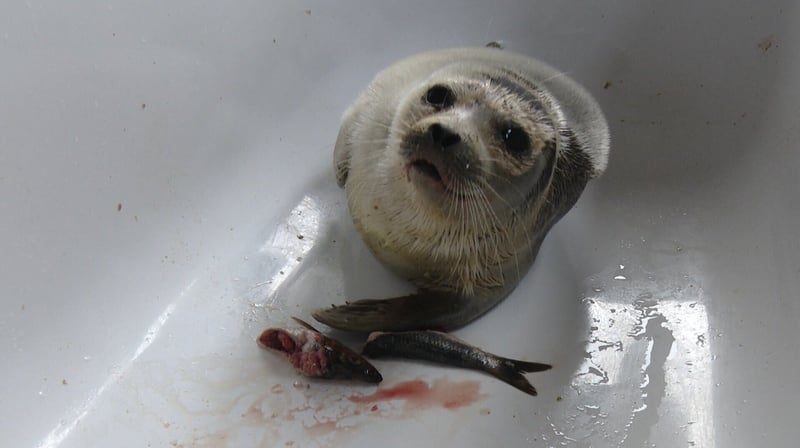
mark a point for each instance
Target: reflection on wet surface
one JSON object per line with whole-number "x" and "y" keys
{"x": 646, "y": 372}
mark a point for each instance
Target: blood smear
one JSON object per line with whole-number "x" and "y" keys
{"x": 420, "y": 395}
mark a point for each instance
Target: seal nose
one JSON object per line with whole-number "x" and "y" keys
{"x": 443, "y": 136}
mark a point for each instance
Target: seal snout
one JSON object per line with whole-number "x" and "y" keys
{"x": 440, "y": 153}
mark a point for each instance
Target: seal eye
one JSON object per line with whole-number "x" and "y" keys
{"x": 515, "y": 139}
{"x": 439, "y": 97}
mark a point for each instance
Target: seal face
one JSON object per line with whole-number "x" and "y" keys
{"x": 456, "y": 164}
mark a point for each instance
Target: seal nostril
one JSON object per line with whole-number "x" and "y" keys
{"x": 436, "y": 132}
{"x": 443, "y": 136}
{"x": 450, "y": 140}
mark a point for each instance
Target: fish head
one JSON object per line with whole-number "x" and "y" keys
{"x": 344, "y": 363}
{"x": 318, "y": 356}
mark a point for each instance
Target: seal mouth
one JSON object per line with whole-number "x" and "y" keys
{"x": 426, "y": 169}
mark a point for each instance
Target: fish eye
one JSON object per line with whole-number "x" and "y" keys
{"x": 514, "y": 139}
{"x": 440, "y": 97}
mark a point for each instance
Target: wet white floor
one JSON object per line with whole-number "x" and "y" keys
{"x": 166, "y": 193}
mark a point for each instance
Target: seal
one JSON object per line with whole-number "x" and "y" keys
{"x": 456, "y": 163}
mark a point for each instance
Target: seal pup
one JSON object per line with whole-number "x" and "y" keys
{"x": 456, "y": 163}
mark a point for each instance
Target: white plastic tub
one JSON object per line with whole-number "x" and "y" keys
{"x": 158, "y": 161}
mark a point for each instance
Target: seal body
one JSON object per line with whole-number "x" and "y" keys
{"x": 456, "y": 163}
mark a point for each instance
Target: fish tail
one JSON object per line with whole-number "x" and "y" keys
{"x": 511, "y": 372}
{"x": 526, "y": 366}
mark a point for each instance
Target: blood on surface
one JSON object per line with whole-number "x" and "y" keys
{"x": 421, "y": 395}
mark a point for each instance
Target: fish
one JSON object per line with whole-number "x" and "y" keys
{"x": 318, "y": 356}
{"x": 442, "y": 348}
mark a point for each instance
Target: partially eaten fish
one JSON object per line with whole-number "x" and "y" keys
{"x": 445, "y": 349}
{"x": 317, "y": 356}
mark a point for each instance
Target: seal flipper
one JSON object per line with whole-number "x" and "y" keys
{"x": 423, "y": 310}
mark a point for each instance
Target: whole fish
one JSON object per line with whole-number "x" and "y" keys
{"x": 317, "y": 356}
{"x": 445, "y": 349}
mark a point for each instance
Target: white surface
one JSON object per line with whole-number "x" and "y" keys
{"x": 667, "y": 299}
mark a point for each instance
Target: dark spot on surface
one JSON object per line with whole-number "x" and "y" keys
{"x": 300, "y": 237}
{"x": 558, "y": 398}
{"x": 308, "y": 12}
{"x": 144, "y": 105}
{"x": 607, "y": 84}
{"x": 119, "y": 207}
{"x": 766, "y": 43}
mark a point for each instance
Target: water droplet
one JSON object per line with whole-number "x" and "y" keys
{"x": 622, "y": 266}
{"x": 620, "y": 277}
{"x": 597, "y": 289}
{"x": 87, "y": 358}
